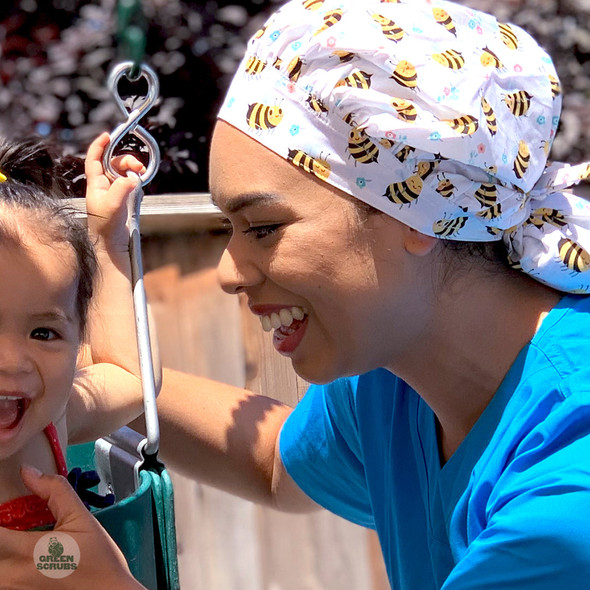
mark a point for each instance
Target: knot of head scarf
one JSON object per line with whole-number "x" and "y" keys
{"x": 429, "y": 111}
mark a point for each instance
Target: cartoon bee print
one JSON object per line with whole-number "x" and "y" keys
{"x": 405, "y": 74}
{"x": 404, "y": 153}
{"x": 406, "y": 111}
{"x": 491, "y": 212}
{"x": 254, "y": 65}
{"x": 466, "y": 125}
{"x": 386, "y": 143}
{"x": 486, "y": 194}
{"x": 445, "y": 228}
{"x": 356, "y": 79}
{"x": 522, "y": 160}
{"x": 278, "y": 62}
{"x": 344, "y": 56}
{"x": 389, "y": 28}
{"x": 349, "y": 119}
{"x": 263, "y": 117}
{"x": 489, "y": 59}
{"x": 316, "y": 166}
{"x": 442, "y": 17}
{"x": 547, "y": 215}
{"x": 512, "y": 263}
{"x": 451, "y": 59}
{"x": 405, "y": 192}
{"x": 361, "y": 148}
{"x": 445, "y": 188}
{"x": 425, "y": 168}
{"x": 312, "y": 4}
{"x": 294, "y": 68}
{"x": 316, "y": 104}
{"x": 573, "y": 255}
{"x": 518, "y": 102}
{"x": 490, "y": 117}
{"x": 555, "y": 86}
{"x": 508, "y": 36}
{"x": 493, "y": 231}
{"x": 330, "y": 19}
{"x": 259, "y": 32}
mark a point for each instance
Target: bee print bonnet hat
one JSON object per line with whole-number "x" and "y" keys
{"x": 432, "y": 112}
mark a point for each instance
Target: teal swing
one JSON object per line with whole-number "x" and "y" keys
{"x": 141, "y": 521}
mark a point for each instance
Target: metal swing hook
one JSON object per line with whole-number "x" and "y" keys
{"x": 131, "y": 125}
{"x": 139, "y": 297}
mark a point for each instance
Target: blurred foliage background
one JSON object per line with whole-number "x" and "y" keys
{"x": 55, "y": 56}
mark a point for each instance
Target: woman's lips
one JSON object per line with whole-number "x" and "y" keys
{"x": 288, "y": 322}
{"x": 287, "y": 338}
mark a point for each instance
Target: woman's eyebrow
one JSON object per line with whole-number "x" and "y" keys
{"x": 237, "y": 203}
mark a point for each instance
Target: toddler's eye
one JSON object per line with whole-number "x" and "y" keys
{"x": 44, "y": 334}
{"x": 262, "y": 231}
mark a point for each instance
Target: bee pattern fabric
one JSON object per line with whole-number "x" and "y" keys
{"x": 434, "y": 113}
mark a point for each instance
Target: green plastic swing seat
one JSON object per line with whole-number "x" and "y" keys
{"x": 141, "y": 521}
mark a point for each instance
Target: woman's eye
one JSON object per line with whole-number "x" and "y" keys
{"x": 44, "y": 334}
{"x": 262, "y": 231}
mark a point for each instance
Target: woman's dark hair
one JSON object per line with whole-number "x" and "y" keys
{"x": 37, "y": 181}
{"x": 460, "y": 256}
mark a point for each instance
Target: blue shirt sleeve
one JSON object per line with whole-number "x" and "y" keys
{"x": 320, "y": 449}
{"x": 536, "y": 529}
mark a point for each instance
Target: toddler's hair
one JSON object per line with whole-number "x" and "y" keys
{"x": 37, "y": 181}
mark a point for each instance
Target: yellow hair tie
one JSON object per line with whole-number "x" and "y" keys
{"x": 3, "y": 177}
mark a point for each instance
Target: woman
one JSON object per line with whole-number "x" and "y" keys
{"x": 379, "y": 163}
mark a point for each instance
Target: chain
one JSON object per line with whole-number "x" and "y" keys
{"x": 131, "y": 33}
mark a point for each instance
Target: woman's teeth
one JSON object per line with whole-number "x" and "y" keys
{"x": 284, "y": 318}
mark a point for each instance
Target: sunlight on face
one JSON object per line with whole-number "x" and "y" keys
{"x": 300, "y": 248}
{"x": 39, "y": 338}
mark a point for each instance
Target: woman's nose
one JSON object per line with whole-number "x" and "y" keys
{"x": 236, "y": 272}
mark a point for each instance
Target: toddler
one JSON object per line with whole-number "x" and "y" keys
{"x": 48, "y": 271}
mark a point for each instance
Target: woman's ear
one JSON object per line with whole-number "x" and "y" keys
{"x": 417, "y": 243}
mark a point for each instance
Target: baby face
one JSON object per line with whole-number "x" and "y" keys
{"x": 39, "y": 338}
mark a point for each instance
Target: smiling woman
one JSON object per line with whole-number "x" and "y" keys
{"x": 449, "y": 409}
{"x": 441, "y": 397}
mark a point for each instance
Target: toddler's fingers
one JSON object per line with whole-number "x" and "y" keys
{"x": 128, "y": 162}
{"x": 93, "y": 162}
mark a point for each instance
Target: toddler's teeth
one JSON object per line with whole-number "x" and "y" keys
{"x": 265, "y": 321}
{"x": 275, "y": 320}
{"x": 286, "y": 317}
{"x": 297, "y": 313}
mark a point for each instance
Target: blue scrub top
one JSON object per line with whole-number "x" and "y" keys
{"x": 510, "y": 509}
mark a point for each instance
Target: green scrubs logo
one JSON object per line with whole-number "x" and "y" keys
{"x": 56, "y": 555}
{"x": 55, "y": 548}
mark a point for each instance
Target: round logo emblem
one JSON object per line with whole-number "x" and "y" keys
{"x": 56, "y": 555}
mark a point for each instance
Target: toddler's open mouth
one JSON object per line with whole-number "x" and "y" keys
{"x": 12, "y": 409}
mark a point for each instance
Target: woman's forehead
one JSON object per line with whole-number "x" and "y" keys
{"x": 241, "y": 165}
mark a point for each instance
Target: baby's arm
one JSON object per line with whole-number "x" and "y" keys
{"x": 107, "y": 393}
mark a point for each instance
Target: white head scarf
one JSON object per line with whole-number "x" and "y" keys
{"x": 431, "y": 112}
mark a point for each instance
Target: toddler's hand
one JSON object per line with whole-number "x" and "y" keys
{"x": 106, "y": 200}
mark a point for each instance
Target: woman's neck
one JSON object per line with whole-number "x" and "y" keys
{"x": 478, "y": 331}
